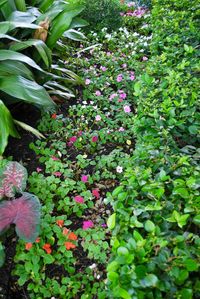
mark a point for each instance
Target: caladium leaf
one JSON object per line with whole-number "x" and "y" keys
{"x": 2, "y": 255}
{"x": 24, "y": 212}
{"x": 12, "y": 179}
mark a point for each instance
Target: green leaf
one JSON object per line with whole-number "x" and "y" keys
{"x": 12, "y": 55}
{"x": 191, "y": 265}
{"x": 74, "y": 35}
{"x": 149, "y": 226}
{"x": 113, "y": 276}
{"x": 8, "y": 26}
{"x": 48, "y": 259}
{"x": 10, "y": 67}
{"x": 149, "y": 281}
{"x": 122, "y": 251}
{"x": 137, "y": 88}
{"x": 29, "y": 129}
{"x": 61, "y": 24}
{"x": 41, "y": 47}
{"x": 78, "y": 22}
{"x": 113, "y": 266}
{"x": 121, "y": 293}
{"x": 196, "y": 220}
{"x": 2, "y": 255}
{"x": 111, "y": 221}
{"x": 6, "y": 127}
{"x": 26, "y": 90}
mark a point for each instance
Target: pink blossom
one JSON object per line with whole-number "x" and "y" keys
{"x": 98, "y": 118}
{"x": 127, "y": 109}
{"x": 124, "y": 65}
{"x": 87, "y": 224}
{"x": 121, "y": 129}
{"x": 79, "y": 199}
{"x": 103, "y": 68}
{"x": 38, "y": 169}
{"x": 84, "y": 178}
{"x": 54, "y": 158}
{"x": 57, "y": 173}
{"x": 80, "y": 133}
{"x": 98, "y": 93}
{"x": 112, "y": 96}
{"x": 73, "y": 139}
{"x": 121, "y": 14}
{"x": 122, "y": 95}
{"x": 132, "y": 77}
{"x": 144, "y": 58}
{"x": 87, "y": 81}
{"x": 94, "y": 138}
{"x": 108, "y": 53}
{"x": 119, "y": 78}
{"x": 96, "y": 193}
{"x": 120, "y": 100}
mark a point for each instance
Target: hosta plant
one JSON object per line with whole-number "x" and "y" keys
{"x": 16, "y": 206}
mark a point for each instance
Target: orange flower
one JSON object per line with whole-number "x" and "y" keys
{"x": 54, "y": 116}
{"x": 60, "y": 223}
{"x": 69, "y": 245}
{"x": 37, "y": 240}
{"x": 28, "y": 246}
{"x": 65, "y": 231}
{"x": 47, "y": 248}
{"x": 72, "y": 236}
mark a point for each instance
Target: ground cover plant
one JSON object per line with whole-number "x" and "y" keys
{"x": 117, "y": 174}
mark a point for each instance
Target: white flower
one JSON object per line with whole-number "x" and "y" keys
{"x": 92, "y": 266}
{"x": 119, "y": 169}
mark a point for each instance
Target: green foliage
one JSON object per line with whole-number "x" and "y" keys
{"x": 155, "y": 243}
{"x": 103, "y": 13}
{"x": 31, "y": 77}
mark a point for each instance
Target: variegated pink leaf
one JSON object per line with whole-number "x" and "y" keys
{"x": 12, "y": 179}
{"x": 24, "y": 212}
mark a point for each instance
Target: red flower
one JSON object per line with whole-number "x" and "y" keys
{"x": 96, "y": 193}
{"x": 94, "y": 138}
{"x": 60, "y": 222}
{"x": 72, "y": 236}
{"x": 54, "y": 116}
{"x": 79, "y": 199}
{"x": 47, "y": 248}
{"x": 57, "y": 173}
{"x": 37, "y": 240}
{"x": 28, "y": 246}
{"x": 69, "y": 245}
{"x": 73, "y": 139}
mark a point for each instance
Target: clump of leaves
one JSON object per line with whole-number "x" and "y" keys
{"x": 16, "y": 206}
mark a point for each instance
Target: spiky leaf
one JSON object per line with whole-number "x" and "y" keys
{"x": 24, "y": 212}
{"x": 12, "y": 179}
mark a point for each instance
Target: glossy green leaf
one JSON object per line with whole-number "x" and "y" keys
{"x": 6, "y": 127}
{"x": 149, "y": 226}
{"x": 111, "y": 221}
{"x": 26, "y": 90}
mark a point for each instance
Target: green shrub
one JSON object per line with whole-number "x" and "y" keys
{"x": 102, "y": 13}
{"x": 155, "y": 238}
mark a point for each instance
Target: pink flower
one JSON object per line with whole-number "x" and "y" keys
{"x": 121, "y": 129}
{"x": 54, "y": 158}
{"x": 120, "y": 100}
{"x": 103, "y": 68}
{"x": 87, "y": 224}
{"x": 73, "y": 139}
{"x": 38, "y": 169}
{"x": 80, "y": 133}
{"x": 57, "y": 173}
{"x": 124, "y": 65}
{"x": 144, "y": 58}
{"x": 79, "y": 199}
{"x": 98, "y": 118}
{"x": 108, "y": 53}
{"x": 127, "y": 109}
{"x": 112, "y": 96}
{"x": 84, "y": 178}
{"x": 98, "y": 93}
{"x": 94, "y": 138}
{"x": 119, "y": 78}
{"x": 96, "y": 193}
{"x": 122, "y": 95}
{"x": 132, "y": 77}
{"x": 87, "y": 81}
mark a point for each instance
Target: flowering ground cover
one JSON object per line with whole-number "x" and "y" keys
{"x": 118, "y": 173}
